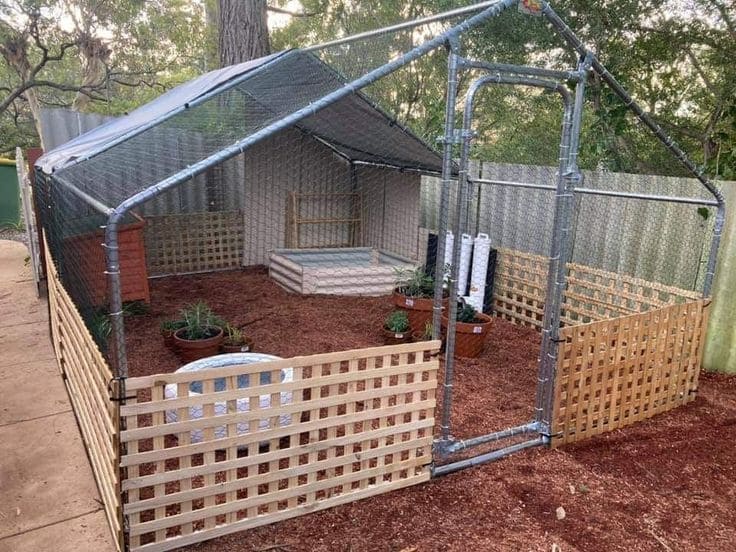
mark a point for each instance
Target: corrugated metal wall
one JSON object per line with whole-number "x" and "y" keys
{"x": 58, "y": 126}
{"x": 661, "y": 242}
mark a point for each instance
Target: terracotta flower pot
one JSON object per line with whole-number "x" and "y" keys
{"x": 395, "y": 338}
{"x": 470, "y": 337}
{"x": 190, "y": 350}
{"x": 246, "y": 347}
{"x": 418, "y": 309}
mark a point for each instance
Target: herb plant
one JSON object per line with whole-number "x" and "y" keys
{"x": 397, "y": 322}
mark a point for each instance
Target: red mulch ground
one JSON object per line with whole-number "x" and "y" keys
{"x": 668, "y": 484}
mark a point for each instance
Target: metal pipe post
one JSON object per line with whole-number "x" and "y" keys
{"x": 568, "y": 177}
{"x": 448, "y": 142}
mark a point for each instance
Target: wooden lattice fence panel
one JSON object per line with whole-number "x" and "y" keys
{"x": 616, "y": 372}
{"x": 591, "y": 295}
{"x": 337, "y": 427}
{"x": 194, "y": 242}
{"x": 87, "y": 376}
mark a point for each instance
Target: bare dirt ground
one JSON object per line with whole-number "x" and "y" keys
{"x": 668, "y": 484}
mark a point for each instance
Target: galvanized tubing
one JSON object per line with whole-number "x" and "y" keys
{"x": 568, "y": 177}
{"x": 657, "y": 130}
{"x": 463, "y": 184}
{"x": 240, "y": 146}
{"x": 436, "y": 18}
{"x": 463, "y": 444}
{"x": 488, "y": 457}
{"x": 448, "y": 142}
{"x": 595, "y": 191}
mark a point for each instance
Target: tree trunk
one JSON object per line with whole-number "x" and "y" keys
{"x": 243, "y": 31}
{"x": 94, "y": 56}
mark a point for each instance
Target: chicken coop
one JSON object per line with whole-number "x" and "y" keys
{"x": 289, "y": 194}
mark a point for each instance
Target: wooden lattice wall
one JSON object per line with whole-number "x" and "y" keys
{"x": 194, "y": 242}
{"x": 616, "y": 372}
{"x": 340, "y": 427}
{"x": 87, "y": 375}
{"x": 591, "y": 295}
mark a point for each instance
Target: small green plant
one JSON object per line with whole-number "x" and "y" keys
{"x": 397, "y": 322}
{"x": 414, "y": 282}
{"x": 172, "y": 325}
{"x": 101, "y": 328}
{"x": 200, "y": 322}
{"x": 135, "y": 308}
{"x": 428, "y": 331}
{"x": 466, "y": 313}
{"x": 234, "y": 335}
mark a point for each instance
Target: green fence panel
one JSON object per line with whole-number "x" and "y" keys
{"x": 9, "y": 194}
{"x": 720, "y": 346}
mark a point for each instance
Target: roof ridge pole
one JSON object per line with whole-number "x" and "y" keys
{"x": 570, "y": 37}
{"x": 111, "y": 230}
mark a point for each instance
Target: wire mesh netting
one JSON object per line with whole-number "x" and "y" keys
{"x": 344, "y": 197}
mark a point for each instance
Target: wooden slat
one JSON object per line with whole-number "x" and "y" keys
{"x": 87, "y": 374}
{"x": 614, "y": 373}
{"x": 360, "y": 424}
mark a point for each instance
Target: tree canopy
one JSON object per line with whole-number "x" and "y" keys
{"x": 672, "y": 55}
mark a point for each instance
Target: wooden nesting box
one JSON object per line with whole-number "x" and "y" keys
{"x": 87, "y": 256}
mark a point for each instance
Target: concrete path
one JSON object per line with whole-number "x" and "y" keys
{"x": 48, "y": 497}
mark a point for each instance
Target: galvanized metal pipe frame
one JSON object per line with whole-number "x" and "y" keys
{"x": 492, "y": 456}
{"x": 111, "y": 231}
{"x": 560, "y": 251}
{"x": 450, "y": 14}
{"x": 594, "y": 191}
{"x": 448, "y": 143}
{"x": 446, "y": 443}
{"x": 661, "y": 135}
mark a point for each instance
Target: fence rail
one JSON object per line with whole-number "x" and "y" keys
{"x": 87, "y": 376}
{"x": 246, "y": 450}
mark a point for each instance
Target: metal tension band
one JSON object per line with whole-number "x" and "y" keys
{"x": 110, "y": 393}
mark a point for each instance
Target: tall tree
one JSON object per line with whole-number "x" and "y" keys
{"x": 100, "y": 55}
{"x": 243, "y": 31}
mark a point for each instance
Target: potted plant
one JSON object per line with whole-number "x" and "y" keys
{"x": 396, "y": 328}
{"x": 424, "y": 335}
{"x": 235, "y": 341}
{"x": 168, "y": 327}
{"x": 471, "y": 330}
{"x": 201, "y": 335}
{"x": 414, "y": 293}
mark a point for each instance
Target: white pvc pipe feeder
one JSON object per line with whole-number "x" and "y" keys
{"x": 243, "y": 405}
{"x": 481, "y": 253}
{"x": 466, "y": 251}
{"x": 449, "y": 244}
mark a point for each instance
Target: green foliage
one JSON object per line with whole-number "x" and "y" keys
{"x": 675, "y": 58}
{"x": 234, "y": 335}
{"x": 200, "y": 322}
{"x": 101, "y": 328}
{"x": 172, "y": 325}
{"x": 397, "y": 322}
{"x": 414, "y": 282}
{"x": 466, "y": 313}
